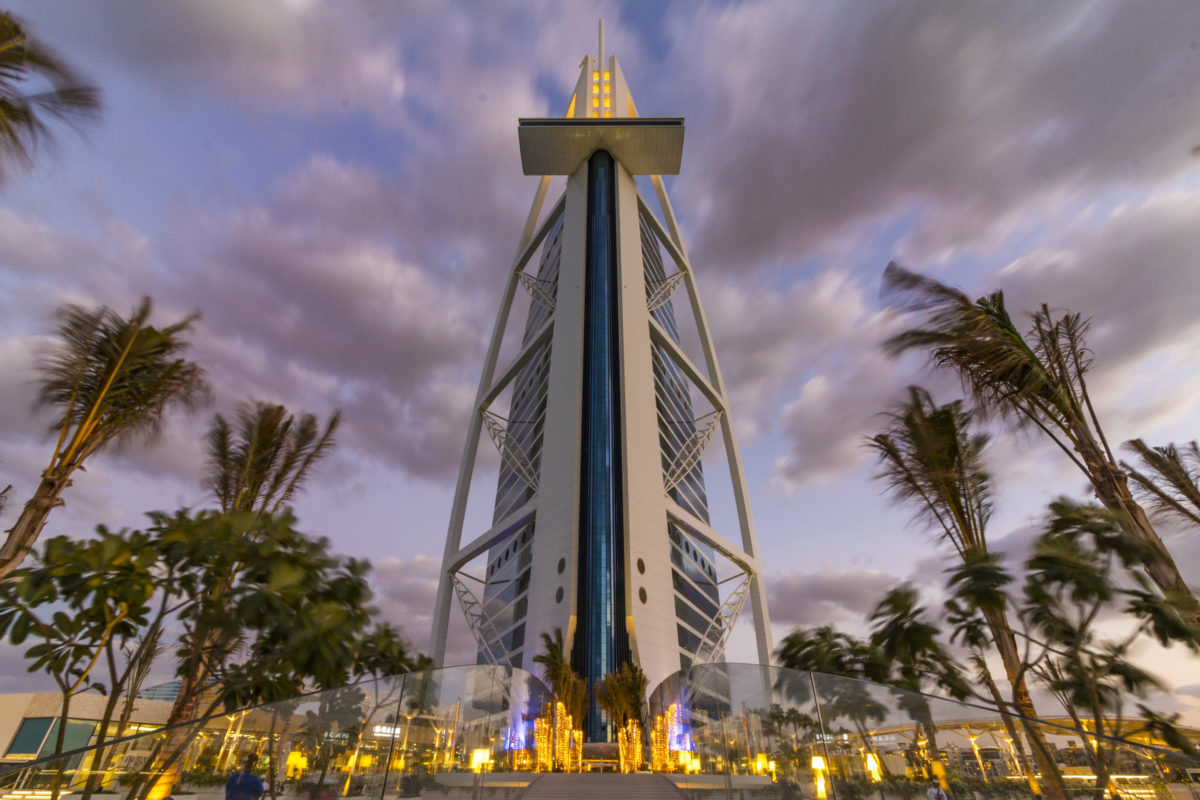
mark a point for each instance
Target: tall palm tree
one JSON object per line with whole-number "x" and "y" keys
{"x": 255, "y": 465}
{"x": 24, "y": 116}
{"x": 1042, "y": 384}
{"x": 622, "y": 694}
{"x": 108, "y": 378}
{"x": 930, "y": 460}
{"x": 553, "y": 660}
{"x": 260, "y": 462}
{"x": 1171, "y": 481}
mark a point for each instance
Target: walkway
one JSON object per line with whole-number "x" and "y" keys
{"x": 601, "y": 786}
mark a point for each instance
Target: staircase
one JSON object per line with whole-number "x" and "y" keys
{"x": 601, "y": 786}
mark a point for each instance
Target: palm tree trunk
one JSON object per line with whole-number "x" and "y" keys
{"x": 1014, "y": 735}
{"x": 1043, "y": 756}
{"x": 29, "y": 525}
{"x": 1112, "y": 490}
{"x": 100, "y": 753}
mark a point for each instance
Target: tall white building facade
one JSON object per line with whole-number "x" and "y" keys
{"x": 601, "y": 524}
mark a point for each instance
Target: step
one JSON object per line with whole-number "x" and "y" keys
{"x": 598, "y": 785}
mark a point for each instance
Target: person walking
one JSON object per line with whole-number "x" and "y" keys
{"x": 935, "y": 791}
{"x": 244, "y": 784}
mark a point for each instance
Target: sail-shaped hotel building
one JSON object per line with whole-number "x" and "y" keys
{"x": 601, "y": 525}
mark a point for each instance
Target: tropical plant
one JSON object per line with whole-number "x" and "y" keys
{"x": 255, "y": 466}
{"x": 844, "y": 663}
{"x": 1170, "y": 483}
{"x": 79, "y": 600}
{"x": 556, "y": 669}
{"x": 1041, "y": 382}
{"x": 261, "y": 461}
{"x": 108, "y": 379}
{"x": 1074, "y": 577}
{"x": 565, "y": 685}
{"x": 930, "y": 460}
{"x": 623, "y": 695}
{"x": 25, "y": 115}
{"x": 291, "y": 616}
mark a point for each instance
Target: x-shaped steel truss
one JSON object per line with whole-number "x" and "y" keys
{"x": 663, "y": 290}
{"x": 481, "y": 626}
{"x": 713, "y": 641}
{"x": 510, "y": 448}
{"x": 689, "y": 455}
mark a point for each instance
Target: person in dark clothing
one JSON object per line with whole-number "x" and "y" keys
{"x": 243, "y": 785}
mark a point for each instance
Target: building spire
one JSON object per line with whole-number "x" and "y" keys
{"x": 600, "y": 52}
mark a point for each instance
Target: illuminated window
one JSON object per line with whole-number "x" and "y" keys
{"x": 596, "y": 102}
{"x": 596, "y": 75}
{"x": 595, "y": 88}
{"x": 605, "y": 74}
{"x": 608, "y": 113}
{"x": 607, "y": 102}
{"x": 606, "y": 88}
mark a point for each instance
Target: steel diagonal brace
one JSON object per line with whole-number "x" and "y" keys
{"x": 510, "y": 449}
{"x": 538, "y": 289}
{"x": 689, "y": 455}
{"x": 479, "y": 623}
{"x": 663, "y": 290}
{"x": 719, "y": 629}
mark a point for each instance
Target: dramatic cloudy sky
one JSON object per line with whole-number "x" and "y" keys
{"x": 336, "y": 186}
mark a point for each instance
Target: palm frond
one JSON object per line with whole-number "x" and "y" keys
{"x": 931, "y": 461}
{"x": 25, "y": 61}
{"x": 1171, "y": 481}
{"x": 259, "y": 463}
{"x": 980, "y": 342}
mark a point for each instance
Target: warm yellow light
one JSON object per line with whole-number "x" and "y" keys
{"x": 818, "y": 762}
{"x": 607, "y": 113}
{"x": 873, "y": 768}
{"x": 595, "y": 113}
{"x": 820, "y": 787}
{"x": 596, "y": 102}
{"x": 596, "y": 75}
{"x": 607, "y": 102}
{"x": 606, "y": 88}
{"x": 480, "y": 758}
{"x": 605, "y": 74}
{"x": 595, "y": 88}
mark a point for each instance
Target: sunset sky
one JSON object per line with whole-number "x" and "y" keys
{"x": 337, "y": 188}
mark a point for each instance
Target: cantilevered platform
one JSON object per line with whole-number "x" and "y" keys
{"x": 643, "y": 145}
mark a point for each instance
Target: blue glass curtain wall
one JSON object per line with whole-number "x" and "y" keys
{"x": 601, "y": 641}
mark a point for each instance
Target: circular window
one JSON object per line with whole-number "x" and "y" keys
{"x": 641, "y": 565}
{"x": 642, "y": 595}
{"x": 558, "y": 595}
{"x": 562, "y": 564}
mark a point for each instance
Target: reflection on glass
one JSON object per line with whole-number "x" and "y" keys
{"x": 723, "y": 728}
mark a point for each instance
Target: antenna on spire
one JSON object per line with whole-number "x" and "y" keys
{"x": 600, "y": 53}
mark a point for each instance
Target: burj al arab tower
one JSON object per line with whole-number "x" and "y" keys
{"x": 601, "y": 524}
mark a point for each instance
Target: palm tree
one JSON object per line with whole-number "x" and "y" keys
{"x": 622, "y": 695}
{"x": 260, "y": 465}
{"x": 930, "y": 460}
{"x": 254, "y": 466}
{"x": 1042, "y": 384}
{"x": 109, "y": 379}
{"x": 553, "y": 660}
{"x": 1171, "y": 483}
{"x": 23, "y": 117}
